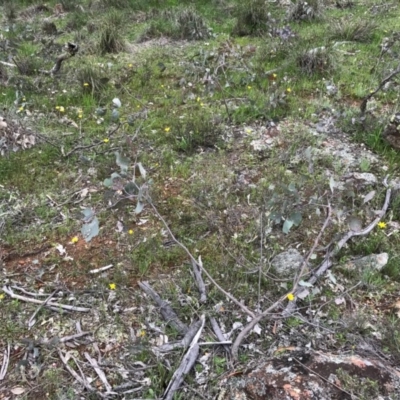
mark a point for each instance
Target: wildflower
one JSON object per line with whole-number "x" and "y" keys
{"x": 60, "y": 108}
{"x": 202, "y": 104}
{"x": 290, "y": 296}
{"x": 248, "y": 130}
{"x": 2, "y": 295}
{"x": 274, "y": 76}
{"x": 130, "y": 231}
{"x": 249, "y": 87}
{"x": 106, "y": 140}
{"x": 74, "y": 239}
{"x": 57, "y": 107}
{"x": 21, "y": 109}
{"x": 80, "y": 115}
{"x": 112, "y": 286}
{"x": 198, "y": 99}
{"x": 288, "y": 90}
{"x": 23, "y": 99}
{"x": 130, "y": 65}
{"x": 382, "y": 225}
{"x": 142, "y": 333}
{"x": 162, "y": 86}
{"x": 86, "y": 84}
{"x": 167, "y": 129}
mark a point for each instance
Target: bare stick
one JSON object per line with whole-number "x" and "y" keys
{"x": 6, "y": 360}
{"x": 311, "y": 252}
{"x": 182, "y": 246}
{"x": 166, "y": 310}
{"x": 49, "y": 304}
{"x": 363, "y": 105}
{"x": 199, "y": 280}
{"x": 31, "y": 321}
{"x": 186, "y": 365}
{"x": 100, "y": 373}
{"x": 81, "y": 380}
{"x": 95, "y": 271}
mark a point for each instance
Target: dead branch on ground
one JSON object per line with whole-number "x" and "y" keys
{"x": 327, "y": 263}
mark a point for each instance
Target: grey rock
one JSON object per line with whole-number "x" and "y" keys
{"x": 287, "y": 263}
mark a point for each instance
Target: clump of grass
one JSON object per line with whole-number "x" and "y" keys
{"x": 318, "y": 61}
{"x": 253, "y": 19}
{"x": 182, "y": 23}
{"x": 10, "y": 11}
{"x": 197, "y": 133}
{"x": 111, "y": 37}
{"x": 49, "y": 28}
{"x": 355, "y": 31}
{"x": 305, "y": 10}
{"x": 69, "y": 5}
{"x": 92, "y": 80}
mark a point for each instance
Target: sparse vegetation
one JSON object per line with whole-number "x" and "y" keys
{"x": 182, "y": 133}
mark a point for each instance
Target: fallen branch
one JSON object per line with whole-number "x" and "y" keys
{"x": 95, "y": 271}
{"x": 199, "y": 280}
{"x": 81, "y": 379}
{"x": 184, "y": 343}
{"x": 193, "y": 260}
{"x": 363, "y": 105}
{"x": 186, "y": 365}
{"x": 6, "y": 360}
{"x": 32, "y": 321}
{"x": 48, "y": 304}
{"x": 100, "y": 373}
{"x": 166, "y": 311}
{"x": 320, "y": 271}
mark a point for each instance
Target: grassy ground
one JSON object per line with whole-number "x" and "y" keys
{"x": 217, "y": 101}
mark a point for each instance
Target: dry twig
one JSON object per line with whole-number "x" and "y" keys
{"x": 50, "y": 304}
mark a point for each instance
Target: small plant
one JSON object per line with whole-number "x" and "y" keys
{"x": 318, "y": 61}
{"x": 302, "y": 10}
{"x": 253, "y": 19}
{"x": 350, "y": 30}
{"x": 111, "y": 38}
{"x": 92, "y": 80}
{"x": 183, "y": 23}
{"x": 197, "y": 133}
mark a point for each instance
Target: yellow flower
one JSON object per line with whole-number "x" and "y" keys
{"x": 288, "y": 90}
{"x": 162, "y": 86}
{"x": 23, "y": 99}
{"x": 2, "y": 295}
{"x": 142, "y": 333}
{"x": 249, "y": 87}
{"x": 130, "y": 65}
{"x": 74, "y": 239}
{"x": 79, "y": 115}
{"x": 61, "y": 109}
{"x": 21, "y": 109}
{"x": 112, "y": 286}
{"x": 290, "y": 296}
{"x": 57, "y": 107}
{"x": 274, "y": 75}
{"x": 382, "y": 225}
{"x": 130, "y": 231}
{"x": 198, "y": 99}
{"x": 106, "y": 140}
{"x": 86, "y": 84}
{"x": 167, "y": 129}
{"x": 202, "y": 104}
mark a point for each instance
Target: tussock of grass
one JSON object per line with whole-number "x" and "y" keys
{"x": 348, "y": 29}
